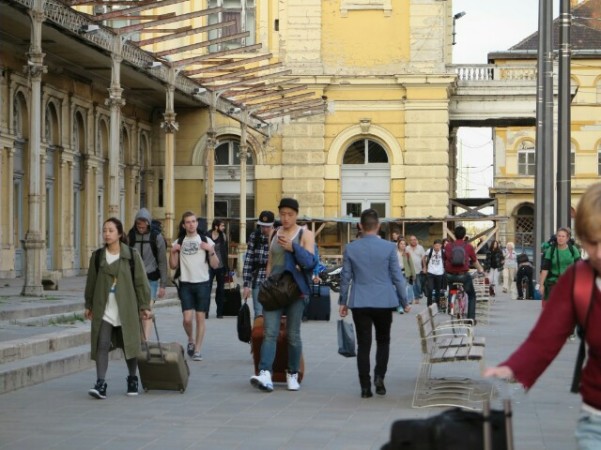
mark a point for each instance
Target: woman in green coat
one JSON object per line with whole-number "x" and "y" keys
{"x": 117, "y": 295}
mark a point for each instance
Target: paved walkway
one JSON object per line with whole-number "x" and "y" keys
{"x": 220, "y": 410}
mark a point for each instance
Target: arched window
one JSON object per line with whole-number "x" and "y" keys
{"x": 365, "y": 178}
{"x": 227, "y": 153}
{"x": 365, "y": 151}
{"x": 526, "y": 159}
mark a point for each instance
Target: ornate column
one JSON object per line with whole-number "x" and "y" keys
{"x": 243, "y": 156}
{"x": 170, "y": 126}
{"x": 115, "y": 102}
{"x": 34, "y": 239}
{"x": 210, "y": 180}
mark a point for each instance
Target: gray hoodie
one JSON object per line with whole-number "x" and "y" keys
{"x": 142, "y": 244}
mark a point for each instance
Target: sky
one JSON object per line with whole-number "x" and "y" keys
{"x": 488, "y": 26}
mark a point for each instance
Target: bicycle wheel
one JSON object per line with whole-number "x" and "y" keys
{"x": 452, "y": 304}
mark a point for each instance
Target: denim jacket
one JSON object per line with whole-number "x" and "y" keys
{"x": 303, "y": 259}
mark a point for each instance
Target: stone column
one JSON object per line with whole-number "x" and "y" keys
{"x": 115, "y": 102}
{"x": 211, "y": 140}
{"x": 170, "y": 126}
{"x": 243, "y": 156}
{"x": 34, "y": 239}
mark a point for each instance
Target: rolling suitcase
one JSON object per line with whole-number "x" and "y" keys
{"x": 280, "y": 363}
{"x": 232, "y": 300}
{"x": 319, "y": 305}
{"x": 455, "y": 429}
{"x": 163, "y": 365}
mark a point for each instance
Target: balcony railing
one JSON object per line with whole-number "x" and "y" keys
{"x": 489, "y": 72}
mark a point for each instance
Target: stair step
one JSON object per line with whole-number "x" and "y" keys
{"x": 60, "y": 319}
{"x": 42, "y": 344}
{"x": 19, "y": 311}
{"x": 37, "y": 369}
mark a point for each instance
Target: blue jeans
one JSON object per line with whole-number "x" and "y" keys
{"x": 294, "y": 316}
{"x": 257, "y": 306}
{"x": 468, "y": 288}
{"x": 588, "y": 431}
{"x": 154, "y": 289}
{"x": 417, "y": 286}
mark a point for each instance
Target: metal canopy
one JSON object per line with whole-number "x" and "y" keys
{"x": 252, "y": 82}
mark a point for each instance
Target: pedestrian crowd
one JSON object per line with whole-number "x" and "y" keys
{"x": 378, "y": 278}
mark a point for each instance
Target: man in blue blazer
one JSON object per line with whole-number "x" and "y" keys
{"x": 371, "y": 271}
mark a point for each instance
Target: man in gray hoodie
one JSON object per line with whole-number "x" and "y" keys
{"x": 151, "y": 246}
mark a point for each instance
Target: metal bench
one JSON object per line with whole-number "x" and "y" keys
{"x": 446, "y": 324}
{"x": 448, "y": 344}
{"x": 483, "y": 299}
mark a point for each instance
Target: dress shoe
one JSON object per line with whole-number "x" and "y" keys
{"x": 366, "y": 393}
{"x": 379, "y": 384}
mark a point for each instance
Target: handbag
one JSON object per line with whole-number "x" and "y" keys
{"x": 243, "y": 325}
{"x": 278, "y": 291}
{"x": 346, "y": 339}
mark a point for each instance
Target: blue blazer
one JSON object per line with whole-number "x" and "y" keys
{"x": 371, "y": 272}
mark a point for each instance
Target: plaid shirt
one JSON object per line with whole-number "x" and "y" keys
{"x": 255, "y": 261}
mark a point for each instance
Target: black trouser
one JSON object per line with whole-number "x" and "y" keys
{"x": 381, "y": 318}
{"x": 435, "y": 283}
{"x": 218, "y": 274}
{"x": 525, "y": 272}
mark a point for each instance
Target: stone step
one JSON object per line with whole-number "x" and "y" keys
{"x": 27, "y": 309}
{"x": 67, "y": 318}
{"x": 44, "y": 343}
{"x": 37, "y": 369}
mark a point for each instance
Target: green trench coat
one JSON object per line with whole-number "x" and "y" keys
{"x": 131, "y": 297}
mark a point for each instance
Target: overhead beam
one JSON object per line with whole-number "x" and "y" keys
{"x": 279, "y": 101}
{"x": 197, "y": 45}
{"x": 239, "y": 73}
{"x": 272, "y": 93}
{"x": 240, "y": 62}
{"x": 252, "y": 79}
{"x": 168, "y": 37}
{"x": 187, "y": 16}
{"x": 255, "y": 88}
{"x": 134, "y": 9}
{"x": 197, "y": 59}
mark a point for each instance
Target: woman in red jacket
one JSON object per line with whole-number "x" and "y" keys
{"x": 557, "y": 323}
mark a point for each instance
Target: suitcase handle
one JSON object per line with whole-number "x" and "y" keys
{"x": 156, "y": 331}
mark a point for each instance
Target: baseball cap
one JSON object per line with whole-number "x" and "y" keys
{"x": 266, "y": 219}
{"x": 287, "y": 202}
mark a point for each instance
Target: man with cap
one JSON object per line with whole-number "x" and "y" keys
{"x": 255, "y": 260}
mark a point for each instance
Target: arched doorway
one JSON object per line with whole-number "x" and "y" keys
{"x": 365, "y": 178}
{"x": 79, "y": 146}
{"x": 51, "y": 136}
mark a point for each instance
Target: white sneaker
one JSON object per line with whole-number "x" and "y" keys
{"x": 262, "y": 381}
{"x": 292, "y": 380}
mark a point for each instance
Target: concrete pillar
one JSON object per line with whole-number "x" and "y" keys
{"x": 211, "y": 140}
{"x": 243, "y": 156}
{"x": 115, "y": 102}
{"x": 34, "y": 238}
{"x": 170, "y": 126}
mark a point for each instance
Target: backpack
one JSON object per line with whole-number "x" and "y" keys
{"x": 156, "y": 229}
{"x": 429, "y": 257}
{"x": 131, "y": 261}
{"x": 554, "y": 252}
{"x": 458, "y": 254}
{"x": 583, "y": 289}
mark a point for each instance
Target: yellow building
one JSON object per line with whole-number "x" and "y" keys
{"x": 514, "y": 147}
{"x": 383, "y": 141}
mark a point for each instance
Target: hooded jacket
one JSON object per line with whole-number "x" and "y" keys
{"x": 143, "y": 246}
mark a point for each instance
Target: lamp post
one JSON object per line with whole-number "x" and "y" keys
{"x": 459, "y": 15}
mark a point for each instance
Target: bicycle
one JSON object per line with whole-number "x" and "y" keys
{"x": 457, "y": 305}
{"x": 525, "y": 288}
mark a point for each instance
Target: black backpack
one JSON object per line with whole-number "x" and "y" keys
{"x": 156, "y": 229}
{"x": 458, "y": 254}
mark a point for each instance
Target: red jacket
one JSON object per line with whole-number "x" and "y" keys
{"x": 555, "y": 324}
{"x": 469, "y": 252}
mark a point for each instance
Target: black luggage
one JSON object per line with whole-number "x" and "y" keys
{"x": 455, "y": 429}
{"x": 163, "y": 365}
{"x": 319, "y": 305}
{"x": 232, "y": 300}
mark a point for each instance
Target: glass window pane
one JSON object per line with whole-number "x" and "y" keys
{"x": 380, "y": 208}
{"x": 222, "y": 154}
{"x": 353, "y": 209}
{"x": 375, "y": 153}
{"x": 355, "y": 153}
{"x": 236, "y": 154}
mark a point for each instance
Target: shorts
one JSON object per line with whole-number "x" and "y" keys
{"x": 195, "y": 296}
